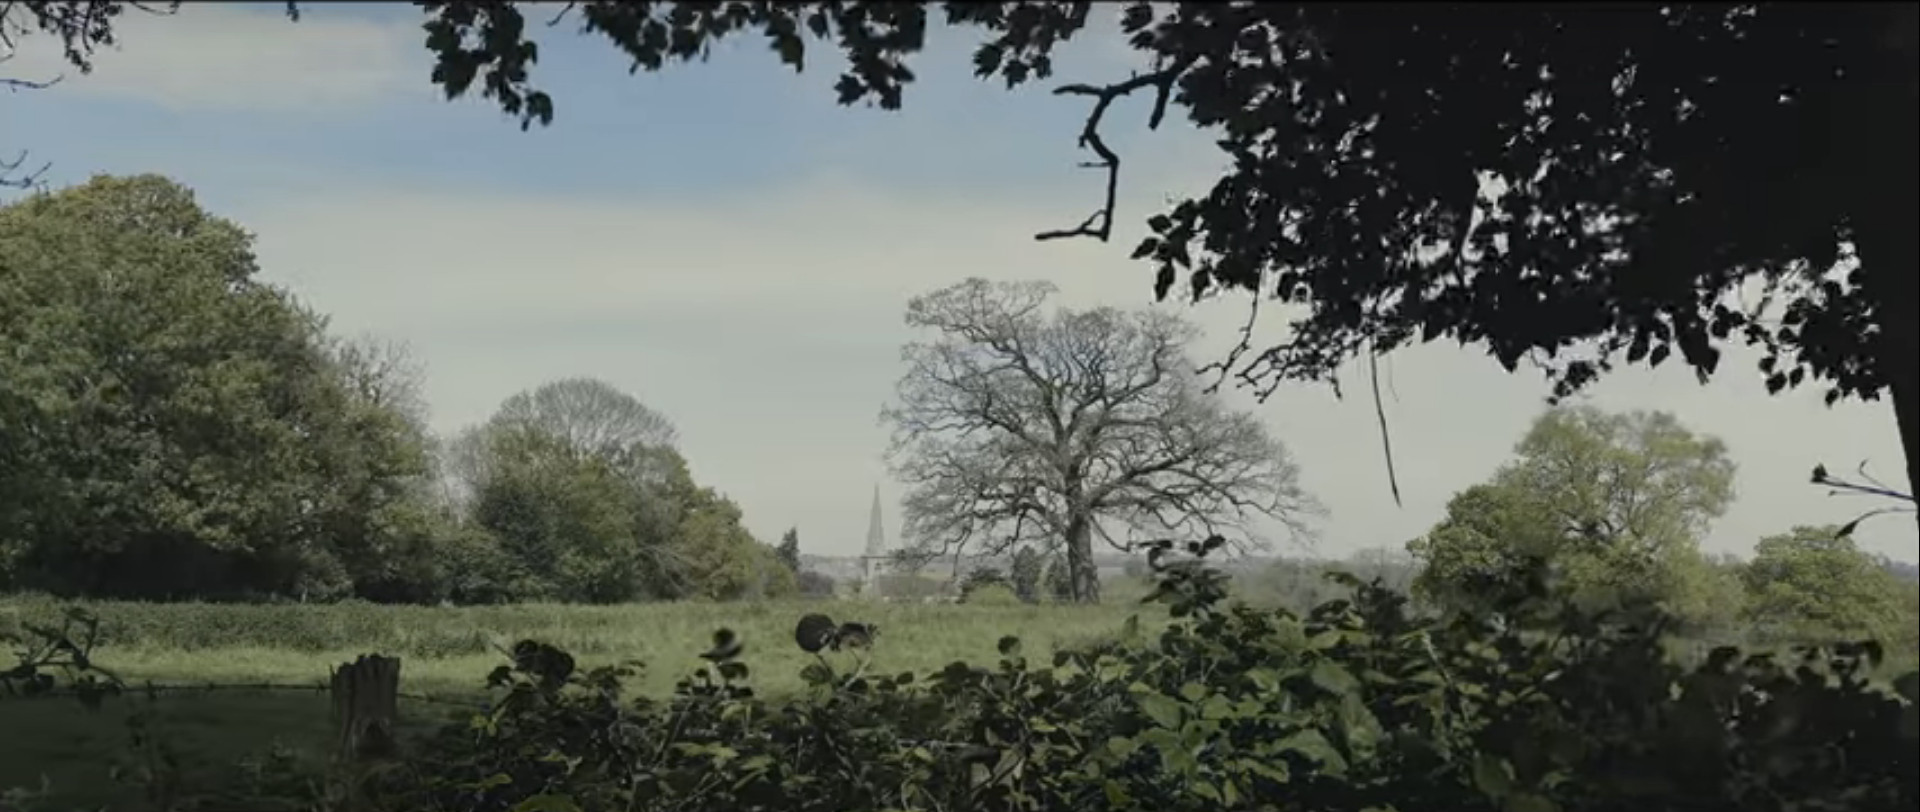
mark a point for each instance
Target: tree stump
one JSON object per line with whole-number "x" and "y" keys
{"x": 366, "y": 707}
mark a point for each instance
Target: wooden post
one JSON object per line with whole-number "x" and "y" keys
{"x": 366, "y": 706}
{"x": 366, "y": 714}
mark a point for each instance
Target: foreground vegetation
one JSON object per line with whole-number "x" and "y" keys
{"x": 1356, "y": 705}
{"x": 255, "y": 655}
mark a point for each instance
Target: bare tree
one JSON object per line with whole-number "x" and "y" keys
{"x": 384, "y": 374}
{"x": 1015, "y": 426}
{"x": 591, "y": 415}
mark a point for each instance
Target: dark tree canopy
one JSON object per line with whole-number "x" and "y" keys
{"x": 1570, "y": 185}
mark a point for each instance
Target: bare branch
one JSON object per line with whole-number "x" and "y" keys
{"x": 11, "y": 178}
{"x": 1380, "y": 414}
{"x": 1821, "y": 477}
{"x": 383, "y": 374}
{"x": 1878, "y": 488}
{"x": 1015, "y": 427}
{"x": 591, "y": 416}
{"x": 16, "y": 85}
{"x": 1099, "y": 225}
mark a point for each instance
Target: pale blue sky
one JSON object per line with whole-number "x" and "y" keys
{"x": 727, "y": 244}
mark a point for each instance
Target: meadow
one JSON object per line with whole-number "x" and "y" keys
{"x": 272, "y": 651}
{"x": 265, "y": 667}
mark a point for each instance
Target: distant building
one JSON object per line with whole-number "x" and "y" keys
{"x": 876, "y": 552}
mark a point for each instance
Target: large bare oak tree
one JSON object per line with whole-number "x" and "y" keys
{"x": 1016, "y": 426}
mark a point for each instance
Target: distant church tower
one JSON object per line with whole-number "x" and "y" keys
{"x": 876, "y": 552}
{"x": 876, "y": 534}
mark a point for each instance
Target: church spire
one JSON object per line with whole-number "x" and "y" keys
{"x": 876, "y": 535}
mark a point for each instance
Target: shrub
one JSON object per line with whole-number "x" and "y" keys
{"x": 991, "y": 594}
{"x": 981, "y": 578}
{"x": 901, "y": 586}
{"x": 813, "y": 584}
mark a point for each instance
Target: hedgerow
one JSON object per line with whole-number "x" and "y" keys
{"x": 1356, "y": 705}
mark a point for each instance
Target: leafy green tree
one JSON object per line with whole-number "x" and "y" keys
{"x": 578, "y": 484}
{"x": 590, "y": 415}
{"x": 721, "y": 560}
{"x": 1711, "y": 598}
{"x": 1612, "y": 504}
{"x": 1014, "y": 426}
{"x": 386, "y": 525}
{"x": 789, "y": 549}
{"x": 1811, "y": 584}
{"x": 585, "y": 418}
{"x": 471, "y": 566}
{"x": 170, "y": 426}
{"x": 1025, "y": 573}
{"x": 571, "y": 522}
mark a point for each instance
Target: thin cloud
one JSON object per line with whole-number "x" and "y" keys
{"x": 767, "y": 326}
{"x": 217, "y": 56}
{"x": 765, "y": 316}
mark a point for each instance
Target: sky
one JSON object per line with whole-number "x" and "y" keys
{"x": 727, "y": 244}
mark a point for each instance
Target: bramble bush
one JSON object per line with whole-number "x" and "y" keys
{"x": 1358, "y": 704}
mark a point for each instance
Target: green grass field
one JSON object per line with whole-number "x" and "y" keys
{"x": 445, "y": 655}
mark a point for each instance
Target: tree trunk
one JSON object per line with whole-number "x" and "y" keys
{"x": 366, "y": 698}
{"x": 1080, "y": 568}
{"x": 1885, "y": 113}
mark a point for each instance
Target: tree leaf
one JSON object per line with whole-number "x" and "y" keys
{"x": 1163, "y": 710}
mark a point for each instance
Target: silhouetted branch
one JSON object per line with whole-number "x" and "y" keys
{"x": 1099, "y": 225}
{"x": 10, "y": 168}
{"x": 26, "y": 84}
{"x": 1380, "y": 413}
{"x": 1878, "y": 488}
{"x": 10, "y": 180}
{"x": 1240, "y": 348}
{"x": 21, "y": 84}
